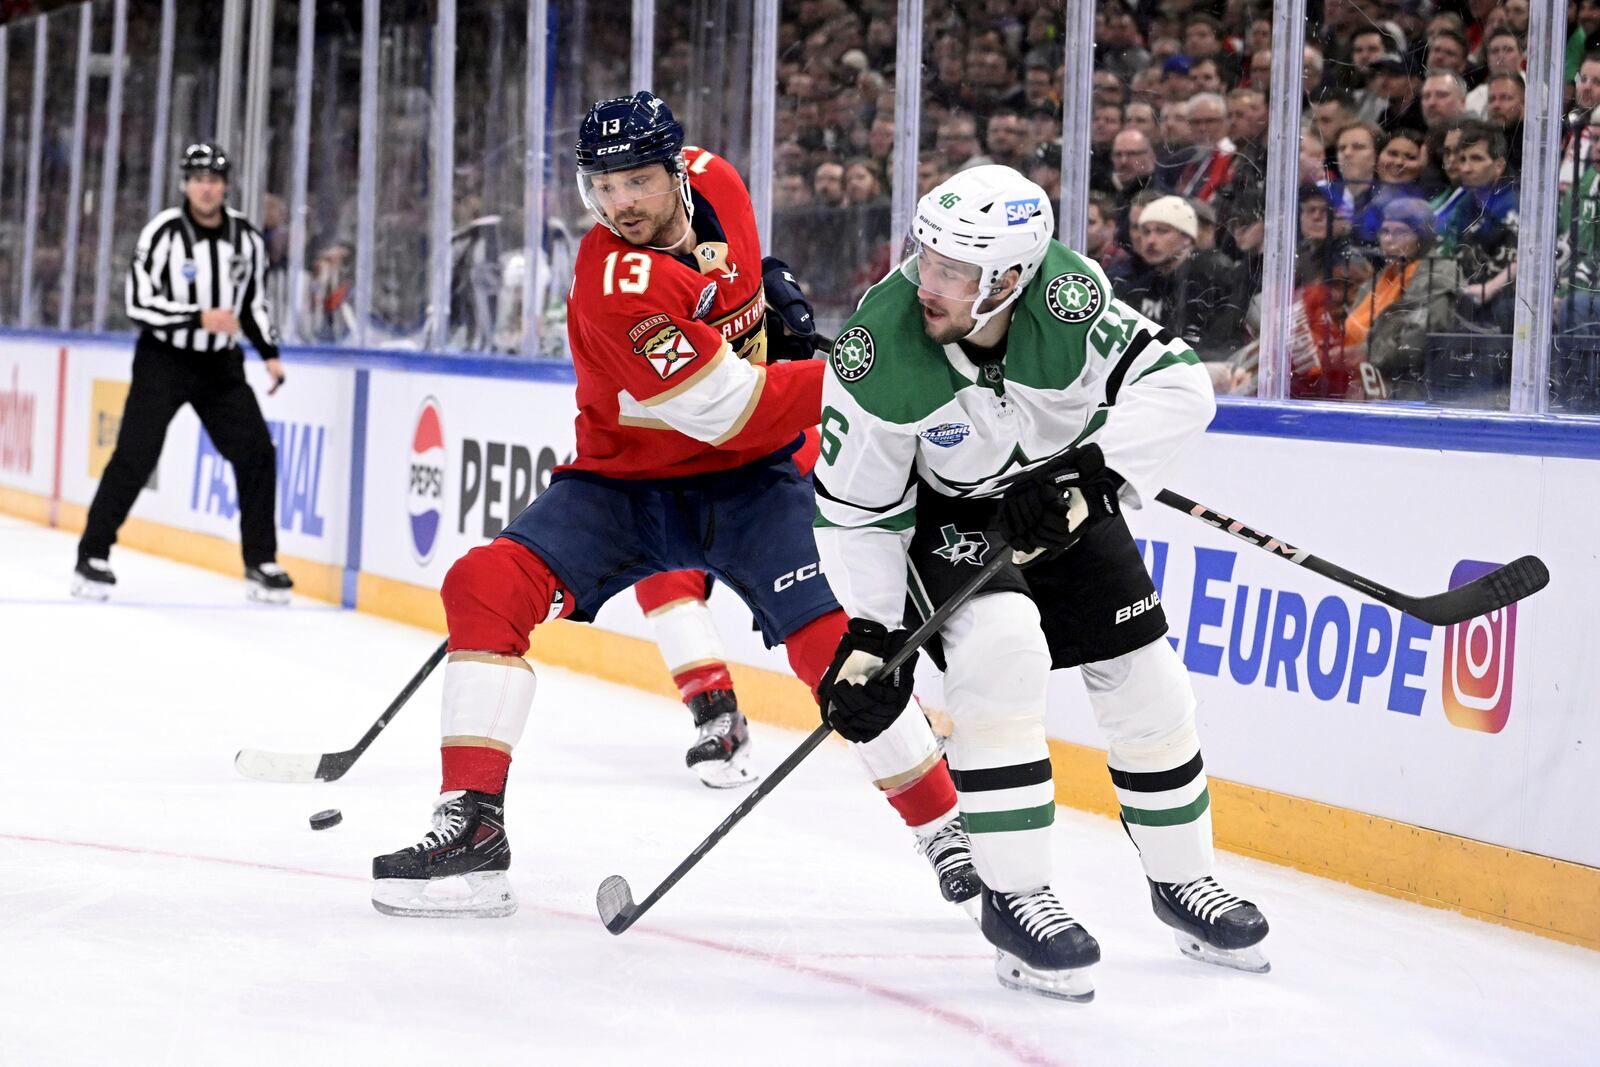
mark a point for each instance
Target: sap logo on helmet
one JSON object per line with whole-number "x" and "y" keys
{"x": 946, "y": 434}
{"x": 613, "y": 149}
{"x": 425, "y": 493}
{"x": 1020, "y": 211}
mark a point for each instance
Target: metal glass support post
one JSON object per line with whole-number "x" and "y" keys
{"x": 30, "y": 211}
{"x": 1283, "y": 213}
{"x": 442, "y": 186}
{"x": 644, "y": 44}
{"x": 1077, "y": 105}
{"x": 4, "y": 74}
{"x": 74, "y": 220}
{"x": 228, "y": 73}
{"x": 300, "y": 169}
{"x": 533, "y": 164}
{"x": 163, "y": 116}
{"x": 109, "y": 169}
{"x": 252, "y": 155}
{"x": 1536, "y": 235}
{"x": 366, "y": 168}
{"x": 907, "y": 121}
{"x": 763, "y": 109}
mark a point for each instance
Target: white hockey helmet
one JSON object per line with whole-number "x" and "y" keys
{"x": 989, "y": 218}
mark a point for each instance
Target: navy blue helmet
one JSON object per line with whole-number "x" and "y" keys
{"x": 627, "y": 132}
{"x": 204, "y": 158}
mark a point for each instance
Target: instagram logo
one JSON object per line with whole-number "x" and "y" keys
{"x": 1479, "y": 659}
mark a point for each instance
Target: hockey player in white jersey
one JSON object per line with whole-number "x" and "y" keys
{"x": 993, "y": 395}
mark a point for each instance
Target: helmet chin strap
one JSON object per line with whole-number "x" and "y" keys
{"x": 688, "y": 221}
{"x": 980, "y": 319}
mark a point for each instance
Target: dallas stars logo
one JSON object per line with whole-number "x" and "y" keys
{"x": 852, "y": 354}
{"x": 962, "y": 547}
{"x": 1073, "y": 298}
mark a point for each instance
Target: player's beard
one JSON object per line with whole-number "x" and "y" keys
{"x": 947, "y": 329}
{"x": 656, "y": 232}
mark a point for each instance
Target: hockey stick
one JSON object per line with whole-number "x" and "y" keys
{"x": 1516, "y": 580}
{"x": 615, "y": 899}
{"x": 329, "y": 766}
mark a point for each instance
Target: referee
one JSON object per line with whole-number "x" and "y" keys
{"x": 197, "y": 281}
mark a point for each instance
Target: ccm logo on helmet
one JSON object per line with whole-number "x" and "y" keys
{"x": 613, "y": 149}
{"x": 1020, "y": 211}
{"x": 795, "y": 577}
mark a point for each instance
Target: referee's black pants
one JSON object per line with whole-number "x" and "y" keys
{"x": 165, "y": 379}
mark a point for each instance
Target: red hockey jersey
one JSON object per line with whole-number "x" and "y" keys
{"x": 670, "y": 357}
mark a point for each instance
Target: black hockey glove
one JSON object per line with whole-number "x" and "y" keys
{"x": 854, "y": 705}
{"x": 791, "y": 323}
{"x": 1052, "y": 506}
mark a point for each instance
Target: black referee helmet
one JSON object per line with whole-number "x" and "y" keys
{"x": 205, "y": 158}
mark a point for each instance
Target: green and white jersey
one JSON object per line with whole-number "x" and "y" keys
{"x": 1079, "y": 366}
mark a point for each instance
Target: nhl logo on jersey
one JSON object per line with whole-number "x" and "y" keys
{"x": 668, "y": 351}
{"x": 852, "y": 354}
{"x": 1073, "y": 298}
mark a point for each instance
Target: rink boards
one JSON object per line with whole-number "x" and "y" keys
{"x": 1451, "y": 765}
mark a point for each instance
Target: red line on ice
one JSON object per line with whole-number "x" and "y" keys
{"x": 1021, "y": 1050}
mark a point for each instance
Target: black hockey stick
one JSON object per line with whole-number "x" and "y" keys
{"x": 1516, "y": 580}
{"x": 329, "y": 766}
{"x": 615, "y": 899}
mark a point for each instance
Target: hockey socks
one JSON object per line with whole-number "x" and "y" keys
{"x": 487, "y": 698}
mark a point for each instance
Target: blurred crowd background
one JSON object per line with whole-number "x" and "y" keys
{"x": 1406, "y": 216}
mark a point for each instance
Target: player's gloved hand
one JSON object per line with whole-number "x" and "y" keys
{"x": 791, "y": 321}
{"x": 1048, "y": 509}
{"x": 852, "y": 703}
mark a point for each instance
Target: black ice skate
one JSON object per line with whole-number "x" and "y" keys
{"x": 458, "y": 869}
{"x": 267, "y": 583}
{"x": 949, "y": 852}
{"x": 720, "y": 755}
{"x": 1212, "y": 925}
{"x": 92, "y": 580}
{"x": 1042, "y": 949}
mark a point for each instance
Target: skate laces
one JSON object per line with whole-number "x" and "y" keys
{"x": 449, "y": 819}
{"x": 271, "y": 570}
{"x": 1040, "y": 913}
{"x": 946, "y": 848}
{"x": 1206, "y": 898}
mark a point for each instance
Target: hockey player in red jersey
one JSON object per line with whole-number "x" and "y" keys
{"x": 685, "y": 461}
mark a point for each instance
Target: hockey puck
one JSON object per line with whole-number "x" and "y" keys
{"x": 324, "y": 819}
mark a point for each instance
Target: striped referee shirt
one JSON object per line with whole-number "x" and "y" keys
{"x": 181, "y": 268}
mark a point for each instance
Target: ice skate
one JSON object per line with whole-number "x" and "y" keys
{"x": 1041, "y": 948}
{"x": 1211, "y": 924}
{"x": 267, "y": 583}
{"x": 720, "y": 755}
{"x": 949, "y": 851}
{"x": 92, "y": 580}
{"x": 457, "y": 870}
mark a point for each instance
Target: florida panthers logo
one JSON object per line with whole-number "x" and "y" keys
{"x": 962, "y": 547}
{"x": 668, "y": 350}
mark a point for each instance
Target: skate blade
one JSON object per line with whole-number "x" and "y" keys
{"x": 1250, "y": 959}
{"x": 266, "y": 596}
{"x": 1074, "y": 984}
{"x": 973, "y": 906}
{"x": 480, "y": 895}
{"x": 731, "y": 773}
{"x": 84, "y": 589}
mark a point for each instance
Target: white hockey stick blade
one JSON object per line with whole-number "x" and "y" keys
{"x": 277, "y": 766}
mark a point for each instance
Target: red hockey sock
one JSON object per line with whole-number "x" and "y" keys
{"x": 811, "y": 647}
{"x": 928, "y": 799}
{"x": 475, "y": 767}
{"x": 701, "y": 679}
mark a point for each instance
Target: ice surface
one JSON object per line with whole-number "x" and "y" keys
{"x": 155, "y": 907}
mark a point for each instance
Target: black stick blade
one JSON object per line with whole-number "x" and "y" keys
{"x": 615, "y": 901}
{"x": 1517, "y": 580}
